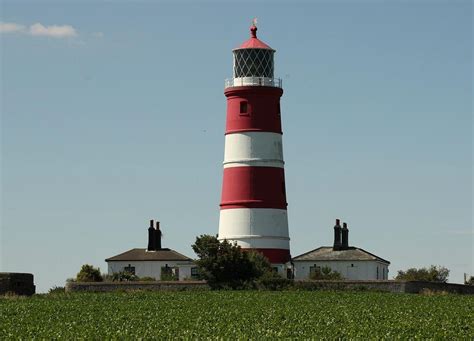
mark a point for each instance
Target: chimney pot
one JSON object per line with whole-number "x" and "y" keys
{"x": 157, "y": 236}
{"x": 151, "y": 237}
{"x": 345, "y": 236}
{"x": 337, "y": 236}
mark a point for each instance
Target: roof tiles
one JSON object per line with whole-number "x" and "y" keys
{"x": 326, "y": 253}
{"x": 144, "y": 255}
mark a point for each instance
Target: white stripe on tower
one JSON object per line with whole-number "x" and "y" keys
{"x": 256, "y": 149}
{"x": 255, "y": 227}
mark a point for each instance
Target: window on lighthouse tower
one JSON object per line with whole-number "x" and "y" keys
{"x": 243, "y": 107}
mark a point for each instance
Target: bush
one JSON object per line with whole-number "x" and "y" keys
{"x": 57, "y": 290}
{"x": 124, "y": 276}
{"x": 430, "y": 292}
{"x": 261, "y": 266}
{"x": 431, "y": 274}
{"x": 147, "y": 279}
{"x": 272, "y": 281}
{"x": 108, "y": 278}
{"x": 327, "y": 274}
{"x": 168, "y": 276}
{"x": 89, "y": 274}
{"x": 225, "y": 266}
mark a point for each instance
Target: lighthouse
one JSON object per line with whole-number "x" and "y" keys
{"x": 253, "y": 208}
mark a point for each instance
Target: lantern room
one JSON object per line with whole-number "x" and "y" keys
{"x": 253, "y": 64}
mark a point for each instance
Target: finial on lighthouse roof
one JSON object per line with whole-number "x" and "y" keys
{"x": 253, "y": 42}
{"x": 253, "y": 28}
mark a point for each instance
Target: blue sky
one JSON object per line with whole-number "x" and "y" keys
{"x": 116, "y": 116}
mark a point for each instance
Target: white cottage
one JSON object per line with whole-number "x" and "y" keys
{"x": 154, "y": 261}
{"x": 353, "y": 263}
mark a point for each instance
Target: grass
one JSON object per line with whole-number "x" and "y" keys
{"x": 237, "y": 314}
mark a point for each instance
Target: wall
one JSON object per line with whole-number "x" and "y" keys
{"x": 418, "y": 286}
{"x": 361, "y": 270}
{"x": 413, "y": 287}
{"x": 383, "y": 286}
{"x": 155, "y": 286}
{"x": 152, "y": 268}
{"x": 18, "y": 283}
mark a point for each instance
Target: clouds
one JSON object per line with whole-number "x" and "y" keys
{"x": 40, "y": 30}
{"x": 11, "y": 28}
{"x": 53, "y": 31}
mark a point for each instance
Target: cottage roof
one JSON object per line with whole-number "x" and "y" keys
{"x": 144, "y": 255}
{"x": 327, "y": 253}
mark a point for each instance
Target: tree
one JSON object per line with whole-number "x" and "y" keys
{"x": 261, "y": 265}
{"x": 89, "y": 274}
{"x": 432, "y": 274}
{"x": 225, "y": 265}
{"x": 326, "y": 273}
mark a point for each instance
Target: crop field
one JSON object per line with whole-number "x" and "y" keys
{"x": 237, "y": 314}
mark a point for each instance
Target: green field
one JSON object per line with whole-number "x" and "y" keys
{"x": 242, "y": 314}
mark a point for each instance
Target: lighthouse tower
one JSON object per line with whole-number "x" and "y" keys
{"x": 253, "y": 209}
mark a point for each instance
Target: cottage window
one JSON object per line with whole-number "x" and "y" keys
{"x": 314, "y": 270}
{"x": 168, "y": 274}
{"x": 130, "y": 269}
{"x": 194, "y": 273}
{"x": 166, "y": 270}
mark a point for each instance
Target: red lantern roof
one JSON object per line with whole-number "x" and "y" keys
{"x": 253, "y": 42}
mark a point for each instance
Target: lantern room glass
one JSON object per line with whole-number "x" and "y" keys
{"x": 253, "y": 63}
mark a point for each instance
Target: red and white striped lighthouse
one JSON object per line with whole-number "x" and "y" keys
{"x": 253, "y": 206}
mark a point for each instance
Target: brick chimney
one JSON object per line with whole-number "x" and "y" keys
{"x": 345, "y": 236}
{"x": 337, "y": 236}
{"x": 151, "y": 237}
{"x": 158, "y": 236}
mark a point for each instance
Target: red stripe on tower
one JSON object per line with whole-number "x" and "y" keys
{"x": 250, "y": 110}
{"x": 247, "y": 187}
{"x": 253, "y": 206}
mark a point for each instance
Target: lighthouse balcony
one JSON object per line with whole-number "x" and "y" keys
{"x": 253, "y": 81}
